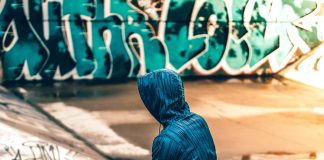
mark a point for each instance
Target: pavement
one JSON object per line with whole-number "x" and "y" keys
{"x": 250, "y": 118}
{"x": 27, "y": 132}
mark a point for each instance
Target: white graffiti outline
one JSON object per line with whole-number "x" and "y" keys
{"x": 2, "y": 5}
{"x": 14, "y": 33}
{"x": 141, "y": 56}
{"x": 161, "y": 34}
{"x": 195, "y": 61}
{"x": 66, "y": 29}
{"x": 291, "y": 33}
{"x": 272, "y": 59}
{"x": 270, "y": 32}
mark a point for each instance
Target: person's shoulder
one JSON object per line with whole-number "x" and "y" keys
{"x": 165, "y": 147}
{"x": 197, "y": 117}
{"x": 165, "y": 138}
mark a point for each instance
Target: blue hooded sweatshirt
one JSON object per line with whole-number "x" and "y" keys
{"x": 185, "y": 135}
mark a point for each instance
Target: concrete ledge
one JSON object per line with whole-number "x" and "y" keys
{"x": 21, "y": 120}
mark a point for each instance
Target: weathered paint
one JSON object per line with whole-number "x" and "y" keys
{"x": 35, "y": 135}
{"x": 103, "y": 39}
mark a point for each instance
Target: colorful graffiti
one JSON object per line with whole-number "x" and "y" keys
{"x": 103, "y": 39}
{"x": 309, "y": 69}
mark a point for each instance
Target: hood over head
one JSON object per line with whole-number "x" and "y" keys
{"x": 162, "y": 93}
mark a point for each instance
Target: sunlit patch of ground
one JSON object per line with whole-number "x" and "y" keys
{"x": 95, "y": 131}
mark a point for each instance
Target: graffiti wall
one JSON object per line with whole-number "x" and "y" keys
{"x": 107, "y": 39}
{"x": 27, "y": 133}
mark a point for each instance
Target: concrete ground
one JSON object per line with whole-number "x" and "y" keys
{"x": 247, "y": 117}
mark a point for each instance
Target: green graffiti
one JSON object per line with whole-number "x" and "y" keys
{"x": 147, "y": 52}
{"x": 74, "y": 24}
{"x": 261, "y": 46}
{"x": 20, "y": 48}
{"x": 103, "y": 39}
{"x": 290, "y": 12}
{"x": 176, "y": 30}
{"x": 213, "y": 20}
{"x": 50, "y": 33}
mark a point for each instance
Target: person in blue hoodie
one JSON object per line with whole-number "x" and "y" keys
{"x": 185, "y": 135}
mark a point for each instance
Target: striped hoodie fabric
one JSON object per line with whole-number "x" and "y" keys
{"x": 185, "y": 135}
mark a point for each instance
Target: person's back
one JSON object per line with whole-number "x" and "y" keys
{"x": 185, "y": 135}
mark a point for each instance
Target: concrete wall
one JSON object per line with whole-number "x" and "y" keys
{"x": 27, "y": 133}
{"x": 105, "y": 39}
